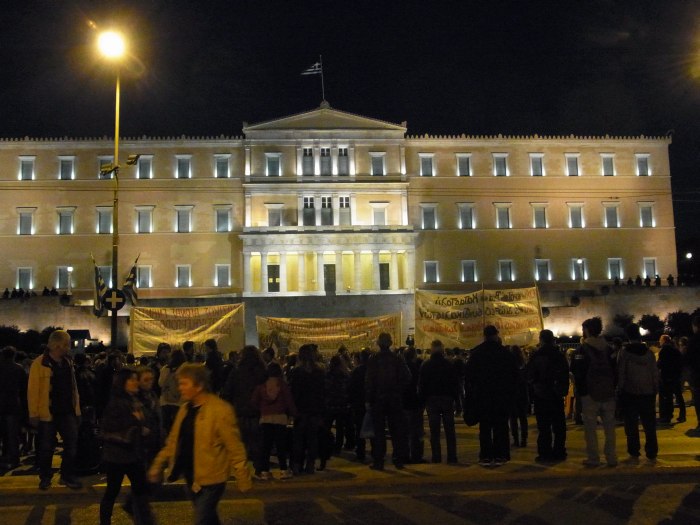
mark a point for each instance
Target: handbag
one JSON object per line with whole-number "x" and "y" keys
{"x": 367, "y": 428}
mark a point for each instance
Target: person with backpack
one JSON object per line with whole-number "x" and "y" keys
{"x": 638, "y": 384}
{"x": 594, "y": 374}
{"x": 548, "y": 374}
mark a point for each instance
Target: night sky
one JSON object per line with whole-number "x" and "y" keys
{"x": 202, "y": 67}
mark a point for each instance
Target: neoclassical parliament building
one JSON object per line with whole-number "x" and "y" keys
{"x": 326, "y": 202}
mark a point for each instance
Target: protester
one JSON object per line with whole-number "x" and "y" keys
{"x": 521, "y": 400}
{"x": 169, "y": 392}
{"x": 215, "y": 364}
{"x": 670, "y": 364}
{"x": 414, "y": 408}
{"x": 692, "y": 359}
{"x": 337, "y": 406}
{"x": 356, "y": 397}
{"x": 13, "y": 406}
{"x": 207, "y": 425}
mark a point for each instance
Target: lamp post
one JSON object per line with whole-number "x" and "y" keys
{"x": 579, "y": 262}
{"x": 69, "y": 292}
{"x": 112, "y": 47}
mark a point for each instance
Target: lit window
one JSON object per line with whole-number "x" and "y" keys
{"x": 466, "y": 215}
{"x": 608, "y": 164}
{"x": 576, "y": 219}
{"x": 539, "y": 215}
{"x": 144, "y": 219}
{"x": 272, "y": 164}
{"x": 325, "y": 161}
{"x": 143, "y": 277}
{"x": 184, "y": 166}
{"x": 377, "y": 164}
{"x": 542, "y": 272}
{"x": 223, "y": 219}
{"x": 464, "y": 164}
{"x": 579, "y": 269}
{"x": 309, "y": 211}
{"x": 326, "y": 211}
{"x": 537, "y": 164}
{"x": 307, "y": 161}
{"x": 502, "y": 215}
{"x": 643, "y": 169}
{"x": 344, "y": 215}
{"x": 650, "y": 267}
{"x": 25, "y": 224}
{"x": 426, "y": 164}
{"x": 144, "y": 167}
{"x": 104, "y": 167}
{"x": 25, "y": 279}
{"x": 104, "y": 219}
{"x": 429, "y": 216}
{"x": 66, "y": 168}
{"x": 468, "y": 271}
{"x": 505, "y": 270}
{"x": 65, "y": 220}
{"x": 615, "y": 268}
{"x": 26, "y": 168}
{"x": 500, "y": 164}
{"x": 379, "y": 213}
{"x": 611, "y": 215}
{"x": 431, "y": 272}
{"x": 646, "y": 215}
{"x": 572, "y": 165}
{"x": 183, "y": 219}
{"x": 222, "y": 275}
{"x": 183, "y": 276}
{"x": 63, "y": 276}
{"x": 221, "y": 166}
{"x": 343, "y": 162}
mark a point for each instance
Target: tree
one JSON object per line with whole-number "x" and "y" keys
{"x": 678, "y": 324}
{"x": 653, "y": 324}
{"x": 623, "y": 320}
{"x": 9, "y": 336}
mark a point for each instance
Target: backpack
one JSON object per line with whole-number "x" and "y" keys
{"x": 600, "y": 377}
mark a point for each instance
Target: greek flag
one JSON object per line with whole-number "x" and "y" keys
{"x": 314, "y": 69}
{"x": 129, "y": 287}
{"x": 100, "y": 289}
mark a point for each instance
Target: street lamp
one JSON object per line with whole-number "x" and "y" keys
{"x": 112, "y": 46}
{"x": 579, "y": 262}
{"x": 69, "y": 292}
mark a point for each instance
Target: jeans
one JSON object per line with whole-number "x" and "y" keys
{"x": 591, "y": 409}
{"x": 273, "y": 435}
{"x": 667, "y": 391}
{"x": 551, "y": 423}
{"x": 341, "y": 417}
{"x": 638, "y": 408}
{"x": 305, "y": 439}
{"x": 140, "y": 489}
{"x": 67, "y": 426}
{"x": 252, "y": 439}
{"x": 389, "y": 410}
{"x": 205, "y": 502}
{"x": 415, "y": 426}
{"x": 493, "y": 436}
{"x": 441, "y": 409}
{"x": 9, "y": 437}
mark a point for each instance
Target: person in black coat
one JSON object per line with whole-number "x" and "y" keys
{"x": 670, "y": 365}
{"x": 13, "y": 406}
{"x": 356, "y": 397}
{"x": 123, "y": 429}
{"x": 490, "y": 376}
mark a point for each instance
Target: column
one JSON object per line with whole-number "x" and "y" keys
{"x": 404, "y": 209}
{"x": 394, "y": 271}
{"x": 248, "y": 210}
{"x": 358, "y": 271}
{"x": 317, "y": 161}
{"x": 317, "y": 209}
{"x": 334, "y": 160}
{"x": 300, "y": 210}
{"x": 351, "y": 161}
{"x": 301, "y": 268}
{"x": 300, "y": 155}
{"x": 263, "y": 271}
{"x": 402, "y": 155}
{"x": 319, "y": 271}
{"x": 353, "y": 209}
{"x": 375, "y": 269}
{"x": 283, "y": 271}
{"x": 339, "y": 284}
{"x": 247, "y": 275}
{"x": 411, "y": 269}
{"x": 247, "y": 161}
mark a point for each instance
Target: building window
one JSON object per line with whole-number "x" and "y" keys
{"x": 377, "y": 164}
{"x": 468, "y": 271}
{"x": 66, "y": 167}
{"x": 326, "y": 211}
{"x": 505, "y": 270}
{"x": 105, "y": 167}
{"x": 274, "y": 214}
{"x": 464, "y": 165}
{"x": 307, "y": 161}
{"x": 576, "y": 219}
{"x": 646, "y": 215}
{"x": 104, "y": 220}
{"x": 643, "y": 165}
{"x": 466, "y": 215}
{"x": 542, "y": 272}
{"x": 343, "y": 162}
{"x": 611, "y": 215}
{"x": 539, "y": 215}
{"x": 106, "y": 273}
{"x": 309, "y": 213}
{"x": 502, "y": 216}
{"x": 221, "y": 166}
{"x": 143, "y": 277}
{"x": 579, "y": 269}
{"x": 344, "y": 214}
{"x": 500, "y": 164}
{"x": 426, "y": 164}
{"x": 326, "y": 161}
{"x": 608, "y": 164}
{"x": 26, "y": 168}
{"x": 65, "y": 221}
{"x": 431, "y": 272}
{"x": 379, "y": 213}
{"x": 183, "y": 219}
{"x": 429, "y": 216}
{"x": 223, "y": 219}
{"x": 537, "y": 164}
{"x": 25, "y": 279}
{"x": 272, "y": 164}
{"x": 222, "y": 275}
{"x": 144, "y": 219}
{"x": 63, "y": 276}
{"x": 25, "y": 225}
{"x": 572, "y": 165}
{"x": 184, "y": 166}
{"x": 145, "y": 167}
{"x": 650, "y": 267}
{"x": 183, "y": 272}
{"x": 615, "y": 268}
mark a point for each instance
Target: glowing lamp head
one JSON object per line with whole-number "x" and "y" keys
{"x": 111, "y": 44}
{"x": 689, "y": 255}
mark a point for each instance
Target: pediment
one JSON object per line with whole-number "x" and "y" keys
{"x": 323, "y": 120}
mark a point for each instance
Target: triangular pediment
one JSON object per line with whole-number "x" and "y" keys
{"x": 323, "y": 120}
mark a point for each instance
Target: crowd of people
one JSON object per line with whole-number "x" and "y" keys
{"x": 305, "y": 408}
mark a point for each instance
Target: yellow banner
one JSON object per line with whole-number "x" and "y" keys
{"x": 288, "y": 334}
{"x": 150, "y": 326}
{"x": 458, "y": 319}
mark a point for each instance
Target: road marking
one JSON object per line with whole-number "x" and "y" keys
{"x": 327, "y": 507}
{"x": 659, "y": 502}
{"x": 419, "y": 512}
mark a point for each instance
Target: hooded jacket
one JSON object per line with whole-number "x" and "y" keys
{"x": 637, "y": 370}
{"x": 581, "y": 363}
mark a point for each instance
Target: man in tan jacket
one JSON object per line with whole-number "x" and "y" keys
{"x": 204, "y": 445}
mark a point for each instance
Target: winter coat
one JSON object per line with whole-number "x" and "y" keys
{"x": 490, "y": 377}
{"x": 670, "y": 364}
{"x": 308, "y": 389}
{"x": 637, "y": 370}
{"x": 438, "y": 377}
{"x": 121, "y": 431}
{"x": 387, "y": 377}
{"x": 273, "y": 403}
{"x": 548, "y": 373}
{"x": 39, "y": 388}
{"x": 13, "y": 389}
{"x": 240, "y": 384}
{"x": 581, "y": 362}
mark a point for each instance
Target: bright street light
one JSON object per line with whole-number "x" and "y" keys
{"x": 111, "y": 44}
{"x": 689, "y": 255}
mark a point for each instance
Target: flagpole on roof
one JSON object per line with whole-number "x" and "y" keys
{"x": 323, "y": 87}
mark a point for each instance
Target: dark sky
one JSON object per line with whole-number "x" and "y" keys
{"x": 202, "y": 67}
